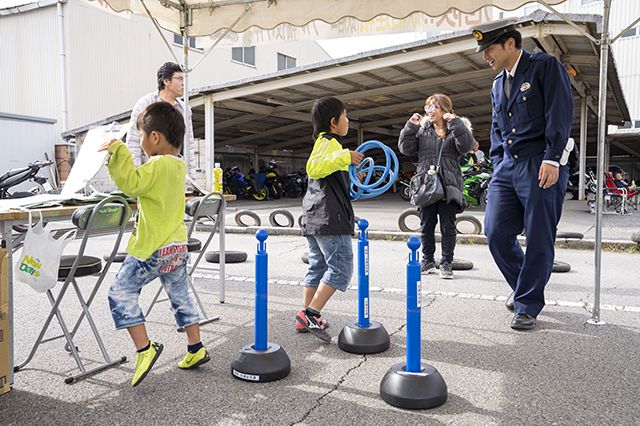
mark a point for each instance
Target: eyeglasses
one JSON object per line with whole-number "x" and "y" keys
{"x": 431, "y": 107}
{"x": 180, "y": 78}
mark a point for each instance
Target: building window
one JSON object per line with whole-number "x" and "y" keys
{"x": 637, "y": 125}
{"x": 177, "y": 39}
{"x": 631, "y": 32}
{"x": 244, "y": 55}
{"x": 285, "y": 62}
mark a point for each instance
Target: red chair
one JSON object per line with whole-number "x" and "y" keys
{"x": 619, "y": 197}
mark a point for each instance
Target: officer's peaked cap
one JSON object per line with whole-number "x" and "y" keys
{"x": 488, "y": 34}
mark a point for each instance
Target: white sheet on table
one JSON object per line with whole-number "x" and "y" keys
{"x": 90, "y": 160}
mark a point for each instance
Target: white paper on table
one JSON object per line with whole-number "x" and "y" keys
{"x": 90, "y": 160}
{"x": 19, "y": 203}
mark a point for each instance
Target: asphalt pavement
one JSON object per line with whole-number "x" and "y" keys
{"x": 565, "y": 372}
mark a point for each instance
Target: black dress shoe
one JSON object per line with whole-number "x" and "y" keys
{"x": 509, "y": 303}
{"x": 523, "y": 322}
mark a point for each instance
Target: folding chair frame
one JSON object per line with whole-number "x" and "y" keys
{"x": 101, "y": 208}
{"x": 214, "y": 216}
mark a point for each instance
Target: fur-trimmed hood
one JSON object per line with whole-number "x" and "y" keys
{"x": 425, "y": 122}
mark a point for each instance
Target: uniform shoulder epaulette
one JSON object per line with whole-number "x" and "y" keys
{"x": 538, "y": 56}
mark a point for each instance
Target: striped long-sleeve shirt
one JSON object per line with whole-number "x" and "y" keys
{"x": 133, "y": 135}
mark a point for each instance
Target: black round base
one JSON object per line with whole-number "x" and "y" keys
{"x": 364, "y": 340}
{"x": 414, "y": 391}
{"x": 261, "y": 366}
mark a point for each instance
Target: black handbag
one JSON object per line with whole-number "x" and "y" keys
{"x": 426, "y": 187}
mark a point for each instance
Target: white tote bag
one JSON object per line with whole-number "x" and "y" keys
{"x": 38, "y": 264}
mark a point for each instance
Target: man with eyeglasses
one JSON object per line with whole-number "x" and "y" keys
{"x": 170, "y": 87}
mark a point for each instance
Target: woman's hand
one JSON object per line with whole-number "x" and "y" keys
{"x": 105, "y": 146}
{"x": 448, "y": 116}
{"x": 415, "y": 118}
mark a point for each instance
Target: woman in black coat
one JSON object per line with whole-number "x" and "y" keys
{"x": 425, "y": 136}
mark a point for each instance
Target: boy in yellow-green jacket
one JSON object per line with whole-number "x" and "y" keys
{"x": 158, "y": 244}
{"x": 327, "y": 215}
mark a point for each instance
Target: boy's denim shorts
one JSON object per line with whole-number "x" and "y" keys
{"x": 330, "y": 261}
{"x": 167, "y": 263}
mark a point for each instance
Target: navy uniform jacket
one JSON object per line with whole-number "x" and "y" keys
{"x": 538, "y": 115}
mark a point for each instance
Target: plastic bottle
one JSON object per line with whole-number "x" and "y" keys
{"x": 217, "y": 178}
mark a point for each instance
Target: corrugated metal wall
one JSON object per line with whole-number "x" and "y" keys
{"x": 29, "y": 64}
{"x": 112, "y": 60}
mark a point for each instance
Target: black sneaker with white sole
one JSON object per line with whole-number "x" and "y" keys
{"x": 426, "y": 266}
{"x": 446, "y": 270}
{"x": 311, "y": 324}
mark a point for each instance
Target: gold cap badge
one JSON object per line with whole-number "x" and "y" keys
{"x": 477, "y": 35}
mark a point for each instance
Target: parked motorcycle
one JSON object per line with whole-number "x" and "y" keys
{"x": 476, "y": 183}
{"x": 234, "y": 182}
{"x": 404, "y": 181}
{"x": 295, "y": 184}
{"x": 30, "y": 173}
{"x": 272, "y": 180}
{"x": 17, "y": 176}
{"x": 573, "y": 184}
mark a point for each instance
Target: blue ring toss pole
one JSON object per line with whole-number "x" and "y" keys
{"x": 413, "y": 308}
{"x": 363, "y": 274}
{"x": 261, "y": 293}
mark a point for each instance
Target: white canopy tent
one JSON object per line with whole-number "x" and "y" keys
{"x": 202, "y": 18}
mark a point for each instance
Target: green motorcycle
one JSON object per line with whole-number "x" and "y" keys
{"x": 476, "y": 183}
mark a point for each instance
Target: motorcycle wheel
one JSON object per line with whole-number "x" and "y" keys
{"x": 275, "y": 192}
{"x": 260, "y": 194}
{"x": 483, "y": 199}
{"x": 405, "y": 193}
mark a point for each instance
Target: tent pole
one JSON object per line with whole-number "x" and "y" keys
{"x": 185, "y": 22}
{"x": 209, "y": 138}
{"x": 583, "y": 148}
{"x": 602, "y": 127}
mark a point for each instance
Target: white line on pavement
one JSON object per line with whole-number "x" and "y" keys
{"x": 585, "y": 305}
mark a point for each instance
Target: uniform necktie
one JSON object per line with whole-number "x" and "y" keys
{"x": 507, "y": 85}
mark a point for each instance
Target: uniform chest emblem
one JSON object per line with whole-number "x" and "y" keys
{"x": 525, "y": 86}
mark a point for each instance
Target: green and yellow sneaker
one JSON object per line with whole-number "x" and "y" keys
{"x": 144, "y": 362}
{"x": 194, "y": 360}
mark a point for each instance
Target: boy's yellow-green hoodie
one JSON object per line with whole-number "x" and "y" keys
{"x": 159, "y": 185}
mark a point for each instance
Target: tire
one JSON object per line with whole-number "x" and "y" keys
{"x": 560, "y": 266}
{"x": 477, "y": 225}
{"x": 305, "y": 257}
{"x": 403, "y": 217}
{"x": 275, "y": 191}
{"x": 482, "y": 201}
{"x": 300, "y": 221}
{"x": 405, "y": 193}
{"x": 459, "y": 264}
{"x": 260, "y": 194}
{"x": 286, "y": 213}
{"x": 576, "y": 235}
{"x": 252, "y": 215}
{"x": 229, "y": 256}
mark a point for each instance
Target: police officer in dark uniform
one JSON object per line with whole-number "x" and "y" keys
{"x": 532, "y": 113}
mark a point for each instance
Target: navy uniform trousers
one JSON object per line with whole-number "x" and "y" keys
{"x": 517, "y": 203}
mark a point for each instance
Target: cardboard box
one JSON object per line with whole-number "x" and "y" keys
{"x": 5, "y": 333}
